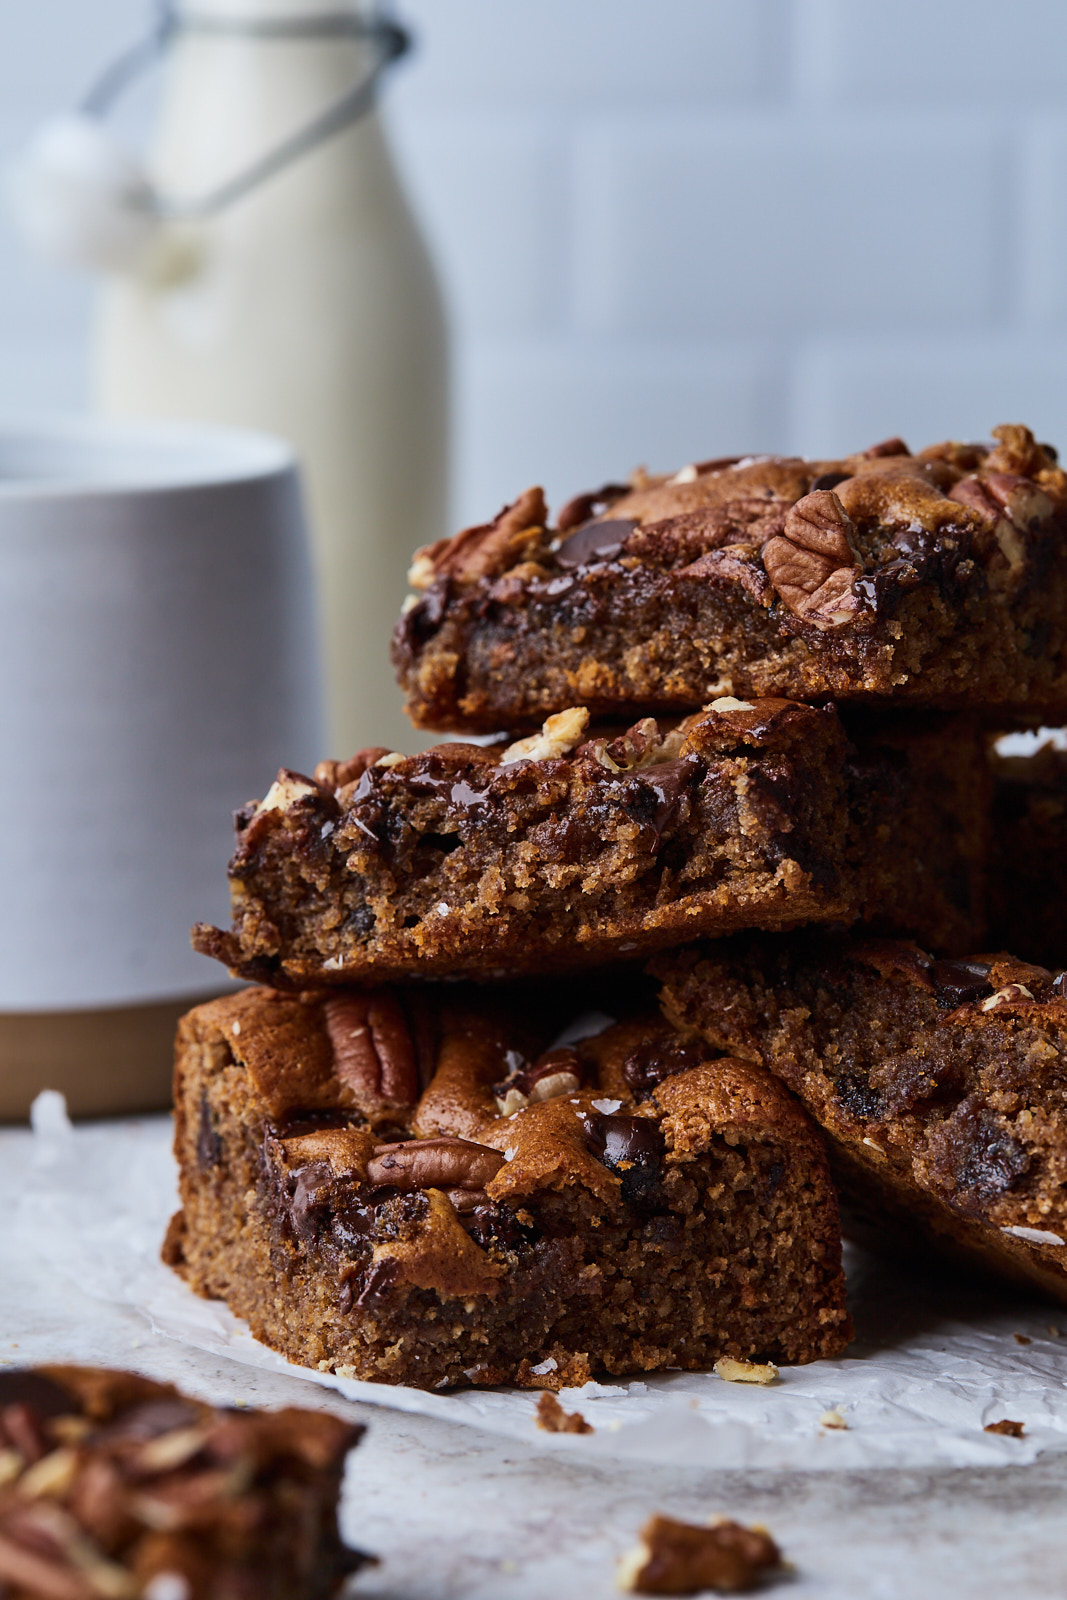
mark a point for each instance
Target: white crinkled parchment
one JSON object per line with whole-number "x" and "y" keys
{"x": 932, "y": 1363}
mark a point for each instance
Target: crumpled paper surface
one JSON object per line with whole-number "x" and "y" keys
{"x": 932, "y": 1364}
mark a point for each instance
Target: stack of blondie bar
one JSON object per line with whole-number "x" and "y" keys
{"x": 566, "y": 1032}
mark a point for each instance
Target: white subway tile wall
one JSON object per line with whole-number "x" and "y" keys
{"x": 684, "y": 229}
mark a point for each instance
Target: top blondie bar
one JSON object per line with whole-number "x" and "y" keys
{"x": 937, "y": 580}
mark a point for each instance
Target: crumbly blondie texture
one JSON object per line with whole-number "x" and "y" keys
{"x": 116, "y": 1488}
{"x": 937, "y": 579}
{"x": 939, "y": 1083}
{"x": 566, "y": 849}
{"x": 413, "y": 1189}
{"x": 1028, "y": 861}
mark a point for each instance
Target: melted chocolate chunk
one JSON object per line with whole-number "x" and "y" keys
{"x": 584, "y": 506}
{"x": 42, "y": 1395}
{"x": 308, "y": 1200}
{"x": 957, "y": 982}
{"x": 973, "y": 1152}
{"x": 656, "y": 1059}
{"x": 653, "y": 797}
{"x": 494, "y": 1224}
{"x": 593, "y": 542}
{"x": 829, "y": 480}
{"x": 208, "y": 1141}
{"x": 375, "y": 1283}
{"x": 633, "y": 1148}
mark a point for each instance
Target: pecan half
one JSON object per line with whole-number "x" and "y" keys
{"x": 813, "y": 561}
{"x": 444, "y": 1163}
{"x": 373, "y": 1052}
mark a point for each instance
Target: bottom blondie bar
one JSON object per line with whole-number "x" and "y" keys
{"x": 418, "y": 1190}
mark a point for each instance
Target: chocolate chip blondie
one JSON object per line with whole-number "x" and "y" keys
{"x": 424, "y": 1187}
{"x": 940, "y": 1084}
{"x": 938, "y": 579}
{"x": 113, "y": 1487}
{"x": 571, "y": 847}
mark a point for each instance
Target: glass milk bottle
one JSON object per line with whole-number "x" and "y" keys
{"x": 307, "y": 307}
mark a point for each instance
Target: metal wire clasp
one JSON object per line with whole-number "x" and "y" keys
{"x": 389, "y": 41}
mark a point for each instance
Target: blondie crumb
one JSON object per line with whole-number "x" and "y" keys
{"x": 552, "y": 1418}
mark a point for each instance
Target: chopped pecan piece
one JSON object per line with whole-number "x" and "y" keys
{"x": 681, "y": 1558}
{"x": 373, "y": 1052}
{"x": 813, "y": 562}
{"x": 1012, "y": 1430}
{"x": 444, "y": 1163}
{"x": 485, "y": 550}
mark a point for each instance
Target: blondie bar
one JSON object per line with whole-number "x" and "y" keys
{"x": 937, "y": 579}
{"x": 571, "y": 848}
{"x": 939, "y": 1083}
{"x": 419, "y": 1187}
{"x": 113, "y": 1487}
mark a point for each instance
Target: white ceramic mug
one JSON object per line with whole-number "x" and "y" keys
{"x": 158, "y": 662}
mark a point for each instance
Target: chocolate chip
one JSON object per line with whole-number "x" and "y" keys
{"x": 957, "y": 982}
{"x": 633, "y": 1148}
{"x": 595, "y": 541}
{"x": 376, "y": 1282}
{"x": 208, "y": 1142}
{"x": 829, "y": 480}
{"x": 653, "y": 797}
{"x": 656, "y": 1059}
{"x": 494, "y": 1224}
{"x": 584, "y": 506}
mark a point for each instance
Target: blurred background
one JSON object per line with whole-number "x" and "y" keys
{"x": 678, "y": 230}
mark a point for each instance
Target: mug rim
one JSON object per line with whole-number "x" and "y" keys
{"x": 131, "y": 457}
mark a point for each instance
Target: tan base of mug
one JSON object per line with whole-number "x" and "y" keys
{"x": 106, "y": 1061}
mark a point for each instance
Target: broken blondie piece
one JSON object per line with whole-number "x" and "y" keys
{"x": 937, "y": 579}
{"x": 415, "y": 1187}
{"x": 939, "y": 1084}
{"x": 571, "y": 847}
{"x": 113, "y": 1487}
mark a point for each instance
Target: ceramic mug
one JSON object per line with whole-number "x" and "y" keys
{"x": 158, "y": 663}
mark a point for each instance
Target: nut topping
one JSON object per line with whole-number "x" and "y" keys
{"x": 558, "y": 736}
{"x": 813, "y": 562}
{"x": 486, "y": 550}
{"x": 373, "y": 1052}
{"x": 444, "y": 1163}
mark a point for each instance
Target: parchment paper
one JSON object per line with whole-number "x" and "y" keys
{"x": 932, "y": 1364}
